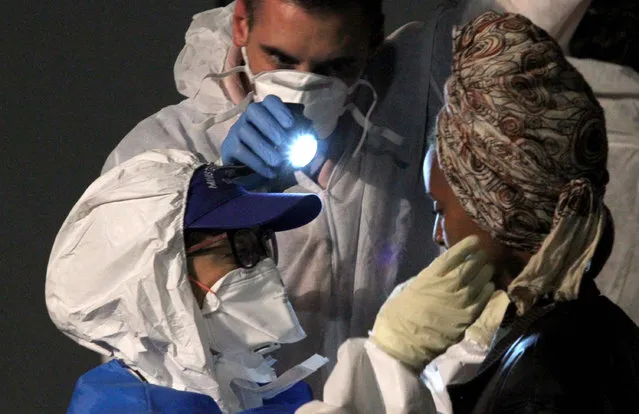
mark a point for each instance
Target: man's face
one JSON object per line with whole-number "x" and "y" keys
{"x": 285, "y": 36}
{"x": 211, "y": 264}
{"x": 216, "y": 255}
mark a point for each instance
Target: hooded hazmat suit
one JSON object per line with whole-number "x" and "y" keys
{"x": 117, "y": 284}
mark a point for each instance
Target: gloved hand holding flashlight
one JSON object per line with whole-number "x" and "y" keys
{"x": 268, "y": 137}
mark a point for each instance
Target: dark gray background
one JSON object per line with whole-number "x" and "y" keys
{"x": 76, "y": 76}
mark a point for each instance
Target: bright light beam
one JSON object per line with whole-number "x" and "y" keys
{"x": 302, "y": 150}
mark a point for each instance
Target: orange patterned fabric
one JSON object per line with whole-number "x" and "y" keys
{"x": 522, "y": 142}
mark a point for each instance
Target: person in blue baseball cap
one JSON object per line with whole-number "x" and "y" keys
{"x": 168, "y": 266}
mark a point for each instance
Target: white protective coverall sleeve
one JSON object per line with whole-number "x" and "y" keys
{"x": 367, "y": 380}
{"x": 461, "y": 361}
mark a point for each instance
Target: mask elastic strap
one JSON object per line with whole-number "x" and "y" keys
{"x": 207, "y": 244}
{"x": 220, "y": 76}
{"x": 287, "y": 379}
{"x": 367, "y": 122}
{"x": 393, "y": 137}
{"x": 202, "y": 285}
{"x": 367, "y": 125}
{"x": 240, "y": 107}
{"x": 237, "y": 109}
{"x": 247, "y": 68}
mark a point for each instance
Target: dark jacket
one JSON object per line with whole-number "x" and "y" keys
{"x": 580, "y": 356}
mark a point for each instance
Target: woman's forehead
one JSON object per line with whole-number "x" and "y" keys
{"x": 434, "y": 179}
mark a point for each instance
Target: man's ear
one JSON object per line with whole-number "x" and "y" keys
{"x": 240, "y": 24}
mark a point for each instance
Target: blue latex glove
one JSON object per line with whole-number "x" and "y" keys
{"x": 254, "y": 139}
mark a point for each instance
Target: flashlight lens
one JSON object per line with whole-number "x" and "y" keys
{"x": 302, "y": 150}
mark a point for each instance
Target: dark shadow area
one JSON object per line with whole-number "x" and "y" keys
{"x": 75, "y": 78}
{"x": 610, "y": 32}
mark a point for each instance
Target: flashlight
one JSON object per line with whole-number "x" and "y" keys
{"x": 302, "y": 150}
{"x": 298, "y": 151}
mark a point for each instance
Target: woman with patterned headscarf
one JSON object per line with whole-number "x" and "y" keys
{"x": 520, "y": 160}
{"x": 517, "y": 166}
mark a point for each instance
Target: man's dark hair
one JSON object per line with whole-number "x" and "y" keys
{"x": 371, "y": 9}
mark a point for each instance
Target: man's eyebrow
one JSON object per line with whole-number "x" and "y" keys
{"x": 341, "y": 60}
{"x": 275, "y": 51}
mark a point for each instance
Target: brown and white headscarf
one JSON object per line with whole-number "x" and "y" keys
{"x": 522, "y": 142}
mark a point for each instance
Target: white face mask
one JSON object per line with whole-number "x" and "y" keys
{"x": 324, "y": 97}
{"x": 249, "y": 311}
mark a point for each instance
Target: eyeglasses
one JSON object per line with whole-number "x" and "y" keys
{"x": 249, "y": 246}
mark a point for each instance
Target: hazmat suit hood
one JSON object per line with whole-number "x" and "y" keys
{"x": 117, "y": 283}
{"x": 209, "y": 49}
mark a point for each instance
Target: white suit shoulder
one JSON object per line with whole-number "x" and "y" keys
{"x": 173, "y": 127}
{"x": 207, "y": 43}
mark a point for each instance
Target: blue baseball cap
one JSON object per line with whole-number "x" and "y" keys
{"x": 215, "y": 201}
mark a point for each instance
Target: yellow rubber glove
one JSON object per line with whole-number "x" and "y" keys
{"x": 483, "y": 329}
{"x": 431, "y": 311}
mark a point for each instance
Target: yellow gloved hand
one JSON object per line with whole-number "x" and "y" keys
{"x": 483, "y": 329}
{"x": 431, "y": 311}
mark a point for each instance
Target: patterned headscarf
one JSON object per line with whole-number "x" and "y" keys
{"x": 522, "y": 142}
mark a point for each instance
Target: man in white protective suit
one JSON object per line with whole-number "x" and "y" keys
{"x": 169, "y": 267}
{"x": 247, "y": 70}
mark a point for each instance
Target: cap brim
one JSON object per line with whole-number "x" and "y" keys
{"x": 276, "y": 211}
